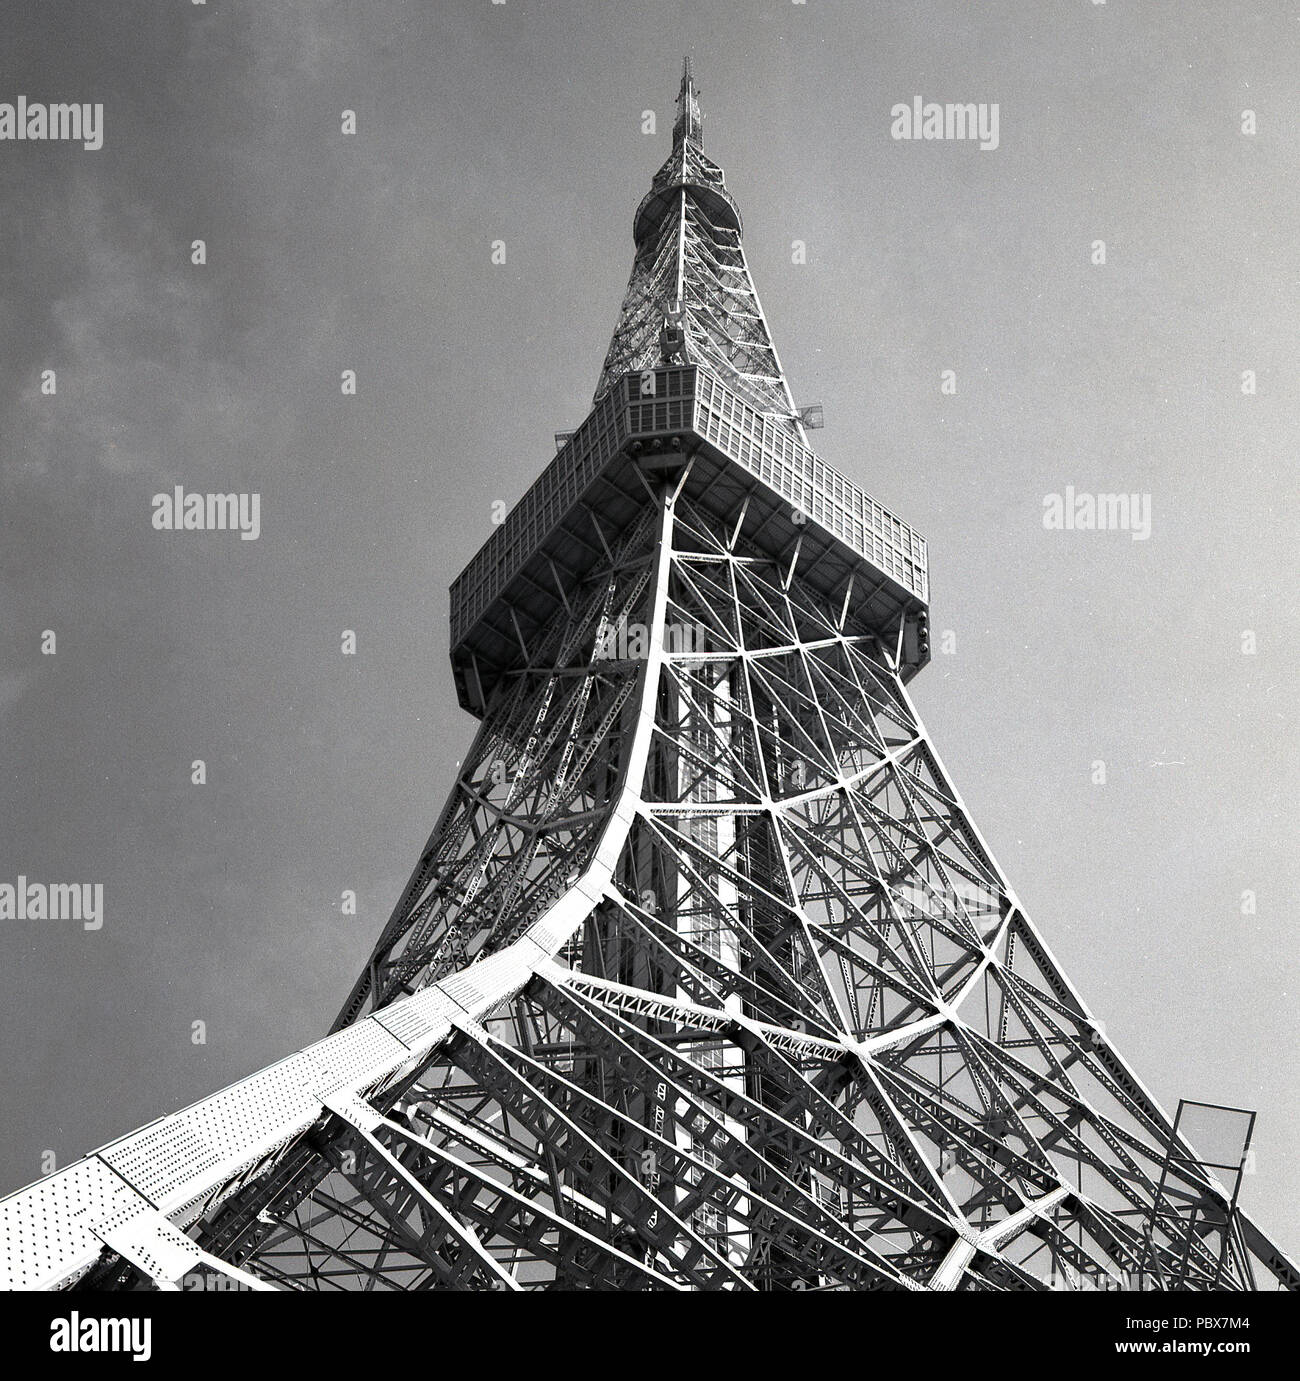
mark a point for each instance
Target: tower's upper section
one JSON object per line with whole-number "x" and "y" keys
{"x": 690, "y": 283}
{"x": 691, "y": 391}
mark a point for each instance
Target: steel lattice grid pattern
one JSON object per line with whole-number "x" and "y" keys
{"x": 872, "y": 1073}
{"x": 705, "y": 978}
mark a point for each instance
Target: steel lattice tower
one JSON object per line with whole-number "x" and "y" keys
{"x": 705, "y": 978}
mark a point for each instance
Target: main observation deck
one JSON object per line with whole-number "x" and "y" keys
{"x": 796, "y": 509}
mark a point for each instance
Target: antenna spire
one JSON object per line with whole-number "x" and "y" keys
{"x": 688, "y": 128}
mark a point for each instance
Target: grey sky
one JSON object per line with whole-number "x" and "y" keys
{"x": 521, "y": 122}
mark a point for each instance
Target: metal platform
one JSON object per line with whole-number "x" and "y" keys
{"x": 792, "y": 506}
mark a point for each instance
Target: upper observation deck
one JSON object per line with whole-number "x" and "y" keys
{"x": 795, "y": 507}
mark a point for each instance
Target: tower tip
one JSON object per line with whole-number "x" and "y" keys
{"x": 689, "y": 120}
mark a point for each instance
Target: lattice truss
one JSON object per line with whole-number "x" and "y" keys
{"x": 704, "y": 979}
{"x": 691, "y": 267}
{"x": 796, "y": 1032}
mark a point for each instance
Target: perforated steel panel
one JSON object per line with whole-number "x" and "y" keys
{"x": 359, "y": 1054}
{"x": 547, "y": 937}
{"x": 44, "y": 1232}
{"x": 462, "y": 992}
{"x": 248, "y": 1120}
{"x": 150, "y": 1242}
{"x": 162, "y": 1155}
{"x": 495, "y": 978}
{"x": 419, "y": 1020}
{"x": 353, "y": 1110}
